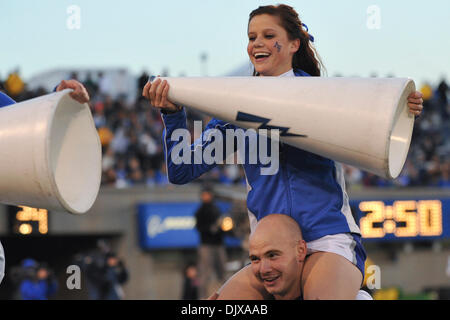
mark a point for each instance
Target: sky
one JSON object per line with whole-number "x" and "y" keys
{"x": 403, "y": 38}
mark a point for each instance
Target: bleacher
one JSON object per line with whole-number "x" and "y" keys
{"x": 130, "y": 131}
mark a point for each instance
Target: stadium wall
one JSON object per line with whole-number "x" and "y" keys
{"x": 157, "y": 274}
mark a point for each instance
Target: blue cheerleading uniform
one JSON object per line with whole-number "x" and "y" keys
{"x": 307, "y": 187}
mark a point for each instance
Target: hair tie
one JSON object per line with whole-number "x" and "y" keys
{"x": 311, "y": 38}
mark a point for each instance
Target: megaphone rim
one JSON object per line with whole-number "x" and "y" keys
{"x": 393, "y": 173}
{"x": 48, "y": 162}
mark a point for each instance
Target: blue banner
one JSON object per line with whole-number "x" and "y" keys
{"x": 172, "y": 225}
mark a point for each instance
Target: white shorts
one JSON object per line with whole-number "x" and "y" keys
{"x": 346, "y": 245}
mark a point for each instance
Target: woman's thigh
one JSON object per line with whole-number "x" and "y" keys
{"x": 329, "y": 276}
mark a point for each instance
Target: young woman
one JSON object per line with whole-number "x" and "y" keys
{"x": 307, "y": 187}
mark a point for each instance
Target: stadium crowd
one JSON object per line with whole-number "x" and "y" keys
{"x": 131, "y": 137}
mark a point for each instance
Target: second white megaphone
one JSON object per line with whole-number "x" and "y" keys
{"x": 50, "y": 154}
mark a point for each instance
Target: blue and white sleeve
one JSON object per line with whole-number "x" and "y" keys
{"x": 185, "y": 162}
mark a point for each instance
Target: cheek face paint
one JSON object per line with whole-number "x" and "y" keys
{"x": 277, "y": 45}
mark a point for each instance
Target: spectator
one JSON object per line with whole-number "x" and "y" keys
{"x": 142, "y": 80}
{"x": 190, "y": 283}
{"x": 92, "y": 265}
{"x": 353, "y": 176}
{"x": 104, "y": 84}
{"x": 106, "y": 136}
{"x": 442, "y": 90}
{"x": 105, "y": 273}
{"x": 120, "y": 142}
{"x": 150, "y": 179}
{"x": 115, "y": 276}
{"x": 161, "y": 175}
{"x": 99, "y": 115}
{"x": 91, "y": 85}
{"x": 444, "y": 180}
{"x": 121, "y": 174}
{"x": 136, "y": 174}
{"x": 109, "y": 177}
{"x": 211, "y": 252}
{"x": 14, "y": 85}
{"x": 38, "y": 282}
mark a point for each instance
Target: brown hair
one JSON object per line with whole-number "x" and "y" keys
{"x": 306, "y": 58}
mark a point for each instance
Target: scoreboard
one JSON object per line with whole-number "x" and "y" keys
{"x": 403, "y": 219}
{"x": 378, "y": 219}
{"x": 28, "y": 221}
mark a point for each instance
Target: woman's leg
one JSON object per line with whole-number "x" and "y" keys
{"x": 329, "y": 276}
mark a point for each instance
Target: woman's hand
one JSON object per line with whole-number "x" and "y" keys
{"x": 79, "y": 92}
{"x": 156, "y": 92}
{"x": 415, "y": 102}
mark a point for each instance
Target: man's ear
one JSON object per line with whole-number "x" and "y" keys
{"x": 301, "y": 250}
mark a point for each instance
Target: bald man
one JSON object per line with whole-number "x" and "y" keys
{"x": 277, "y": 253}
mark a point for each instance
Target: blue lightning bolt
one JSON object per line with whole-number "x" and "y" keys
{"x": 242, "y": 116}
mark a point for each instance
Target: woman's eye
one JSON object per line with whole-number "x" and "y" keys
{"x": 251, "y": 38}
{"x": 269, "y": 36}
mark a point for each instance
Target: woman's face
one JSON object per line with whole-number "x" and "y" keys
{"x": 269, "y": 47}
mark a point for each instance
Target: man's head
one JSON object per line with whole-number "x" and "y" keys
{"x": 207, "y": 194}
{"x": 277, "y": 254}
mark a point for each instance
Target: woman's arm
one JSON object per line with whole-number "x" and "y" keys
{"x": 185, "y": 161}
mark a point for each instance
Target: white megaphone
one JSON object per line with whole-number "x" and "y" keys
{"x": 50, "y": 154}
{"x": 357, "y": 121}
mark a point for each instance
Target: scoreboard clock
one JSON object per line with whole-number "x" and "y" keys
{"x": 403, "y": 219}
{"x": 28, "y": 221}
